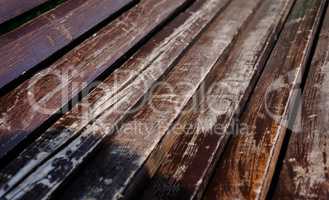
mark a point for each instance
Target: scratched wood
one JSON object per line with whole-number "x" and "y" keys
{"x": 304, "y": 174}
{"x": 113, "y": 172}
{"x": 13, "y": 8}
{"x": 247, "y": 165}
{"x": 119, "y": 163}
{"x": 29, "y": 105}
{"x": 24, "y": 48}
{"x": 190, "y": 150}
{"x": 130, "y": 81}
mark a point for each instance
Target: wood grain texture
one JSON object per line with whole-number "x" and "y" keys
{"x": 305, "y": 172}
{"x": 122, "y": 89}
{"x": 113, "y": 171}
{"x": 13, "y": 8}
{"x": 190, "y": 150}
{"x": 28, "y": 106}
{"x": 247, "y": 165}
{"x": 25, "y": 47}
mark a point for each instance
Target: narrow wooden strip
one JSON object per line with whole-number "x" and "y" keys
{"x": 305, "y": 172}
{"x": 190, "y": 150}
{"x": 247, "y": 165}
{"x": 25, "y": 47}
{"x": 130, "y": 82}
{"x": 125, "y": 152}
{"x": 114, "y": 169}
{"x": 28, "y": 106}
{"x": 13, "y": 8}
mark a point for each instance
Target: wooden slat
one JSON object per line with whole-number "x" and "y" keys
{"x": 190, "y": 150}
{"x": 28, "y": 106}
{"x": 13, "y": 8}
{"x": 29, "y": 45}
{"x": 305, "y": 172}
{"x": 247, "y": 165}
{"x": 118, "y": 160}
{"x": 155, "y": 57}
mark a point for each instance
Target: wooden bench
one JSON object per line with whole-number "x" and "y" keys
{"x": 163, "y": 99}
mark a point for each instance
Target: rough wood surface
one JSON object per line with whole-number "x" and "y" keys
{"x": 113, "y": 169}
{"x": 12, "y": 8}
{"x": 305, "y": 172}
{"x": 190, "y": 150}
{"x": 51, "y": 89}
{"x": 200, "y": 109}
{"x": 149, "y": 64}
{"x": 247, "y": 166}
{"x": 25, "y": 47}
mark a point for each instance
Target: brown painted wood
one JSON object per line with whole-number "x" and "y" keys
{"x": 247, "y": 165}
{"x": 13, "y": 8}
{"x": 114, "y": 167}
{"x": 130, "y": 81}
{"x": 28, "y": 106}
{"x": 190, "y": 150}
{"x": 25, "y": 47}
{"x": 305, "y": 172}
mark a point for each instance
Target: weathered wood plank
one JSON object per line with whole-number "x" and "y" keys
{"x": 151, "y": 61}
{"x": 190, "y": 150}
{"x": 125, "y": 152}
{"x": 247, "y": 165}
{"x": 305, "y": 172}
{"x": 28, "y": 106}
{"x": 13, "y": 8}
{"x": 25, "y": 47}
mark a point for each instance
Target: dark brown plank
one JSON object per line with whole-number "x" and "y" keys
{"x": 305, "y": 172}
{"x": 190, "y": 150}
{"x": 25, "y": 47}
{"x": 247, "y": 165}
{"x": 13, "y": 8}
{"x": 28, "y": 106}
{"x": 117, "y": 162}
{"x": 151, "y": 62}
